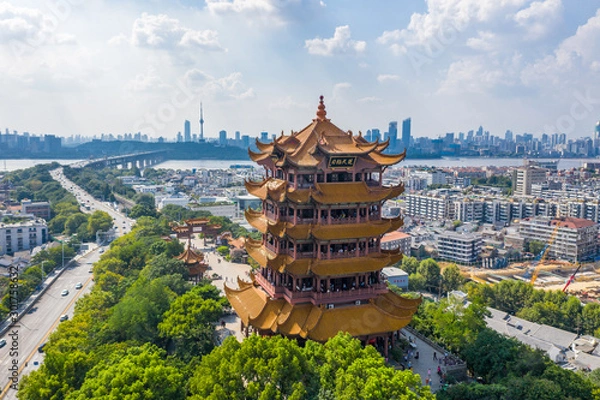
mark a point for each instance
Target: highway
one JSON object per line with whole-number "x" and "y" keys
{"x": 33, "y": 329}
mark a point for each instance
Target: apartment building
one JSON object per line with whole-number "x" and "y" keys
{"x": 575, "y": 239}
{"x": 523, "y": 178}
{"x": 397, "y": 240}
{"x": 22, "y": 236}
{"x": 463, "y": 248}
{"x": 39, "y": 209}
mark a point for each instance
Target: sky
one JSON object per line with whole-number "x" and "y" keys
{"x": 89, "y": 67}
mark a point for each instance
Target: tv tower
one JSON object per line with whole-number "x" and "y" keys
{"x": 201, "y": 124}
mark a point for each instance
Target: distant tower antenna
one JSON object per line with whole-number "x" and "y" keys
{"x": 201, "y": 123}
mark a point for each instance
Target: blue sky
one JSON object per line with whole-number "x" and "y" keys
{"x": 92, "y": 67}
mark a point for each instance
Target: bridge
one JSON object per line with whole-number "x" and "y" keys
{"x": 127, "y": 161}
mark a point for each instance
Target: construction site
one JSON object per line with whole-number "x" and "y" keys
{"x": 581, "y": 280}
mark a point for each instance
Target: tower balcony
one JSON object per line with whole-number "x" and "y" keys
{"x": 318, "y": 297}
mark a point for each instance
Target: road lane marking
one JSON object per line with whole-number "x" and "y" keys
{"x": 45, "y": 338}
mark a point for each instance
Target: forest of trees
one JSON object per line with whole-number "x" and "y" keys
{"x": 145, "y": 332}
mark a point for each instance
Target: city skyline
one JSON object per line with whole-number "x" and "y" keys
{"x": 449, "y": 65}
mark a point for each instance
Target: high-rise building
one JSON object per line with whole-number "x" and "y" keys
{"x": 264, "y": 137}
{"x": 320, "y": 257}
{"x": 393, "y": 135}
{"x": 187, "y": 131}
{"x": 375, "y": 134}
{"x": 223, "y": 138}
{"x": 406, "y": 133}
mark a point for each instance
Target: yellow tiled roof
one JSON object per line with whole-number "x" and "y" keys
{"x": 386, "y": 313}
{"x": 320, "y": 139}
{"x": 319, "y": 231}
{"x": 334, "y": 267}
{"x": 323, "y": 193}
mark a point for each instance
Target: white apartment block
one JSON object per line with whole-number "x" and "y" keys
{"x": 429, "y": 207}
{"x": 576, "y": 239}
{"x": 22, "y": 236}
{"x": 462, "y": 248}
{"x": 523, "y": 178}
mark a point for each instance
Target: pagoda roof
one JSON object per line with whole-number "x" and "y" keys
{"x": 385, "y": 313}
{"x": 318, "y": 140}
{"x": 323, "y": 193}
{"x": 190, "y": 257}
{"x": 319, "y": 231}
{"x": 332, "y": 267}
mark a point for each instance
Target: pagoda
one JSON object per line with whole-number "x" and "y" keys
{"x": 320, "y": 256}
{"x": 194, "y": 261}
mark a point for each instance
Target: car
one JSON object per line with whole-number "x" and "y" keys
{"x": 64, "y": 293}
{"x": 2, "y": 343}
{"x": 101, "y": 251}
{"x": 41, "y": 348}
{"x": 79, "y": 285}
{"x": 90, "y": 270}
{"x": 64, "y": 317}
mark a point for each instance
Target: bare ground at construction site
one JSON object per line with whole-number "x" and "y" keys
{"x": 552, "y": 276}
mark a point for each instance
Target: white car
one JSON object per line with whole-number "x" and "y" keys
{"x": 64, "y": 293}
{"x": 79, "y": 285}
{"x": 64, "y": 317}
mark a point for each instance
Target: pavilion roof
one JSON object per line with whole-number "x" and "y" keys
{"x": 323, "y": 193}
{"x": 318, "y": 141}
{"x": 385, "y": 313}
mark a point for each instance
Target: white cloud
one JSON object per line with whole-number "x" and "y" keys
{"x": 579, "y": 54}
{"x": 287, "y": 103}
{"x": 27, "y": 29}
{"x": 340, "y": 43}
{"x": 339, "y": 89}
{"x": 241, "y": 6}
{"x": 471, "y": 75}
{"x": 538, "y": 19}
{"x": 230, "y": 86}
{"x": 370, "y": 99}
{"x": 387, "y": 78}
{"x": 146, "y": 82}
{"x": 18, "y": 23}
{"x": 484, "y": 41}
{"x": 161, "y": 31}
{"x": 444, "y": 21}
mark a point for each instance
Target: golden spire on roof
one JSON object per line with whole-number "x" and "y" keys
{"x": 321, "y": 113}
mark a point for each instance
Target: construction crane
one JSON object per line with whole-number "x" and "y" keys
{"x": 572, "y": 278}
{"x": 542, "y": 256}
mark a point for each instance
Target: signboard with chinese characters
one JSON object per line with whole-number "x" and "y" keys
{"x": 342, "y": 162}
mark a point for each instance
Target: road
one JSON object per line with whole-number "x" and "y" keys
{"x": 121, "y": 223}
{"x": 33, "y": 329}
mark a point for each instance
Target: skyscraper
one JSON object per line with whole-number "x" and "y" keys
{"x": 223, "y": 138}
{"x": 406, "y": 133}
{"x": 187, "y": 131}
{"x": 393, "y": 134}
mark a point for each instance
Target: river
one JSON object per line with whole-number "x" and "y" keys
{"x": 565, "y": 163}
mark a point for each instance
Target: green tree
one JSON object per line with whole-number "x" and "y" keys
{"x": 140, "y": 373}
{"x": 99, "y": 221}
{"x": 142, "y": 210}
{"x": 452, "y": 279}
{"x": 430, "y": 270}
{"x": 409, "y": 264}
{"x": 137, "y": 315}
{"x": 74, "y": 221}
{"x": 189, "y": 323}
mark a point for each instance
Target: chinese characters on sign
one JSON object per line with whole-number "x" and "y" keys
{"x": 341, "y": 162}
